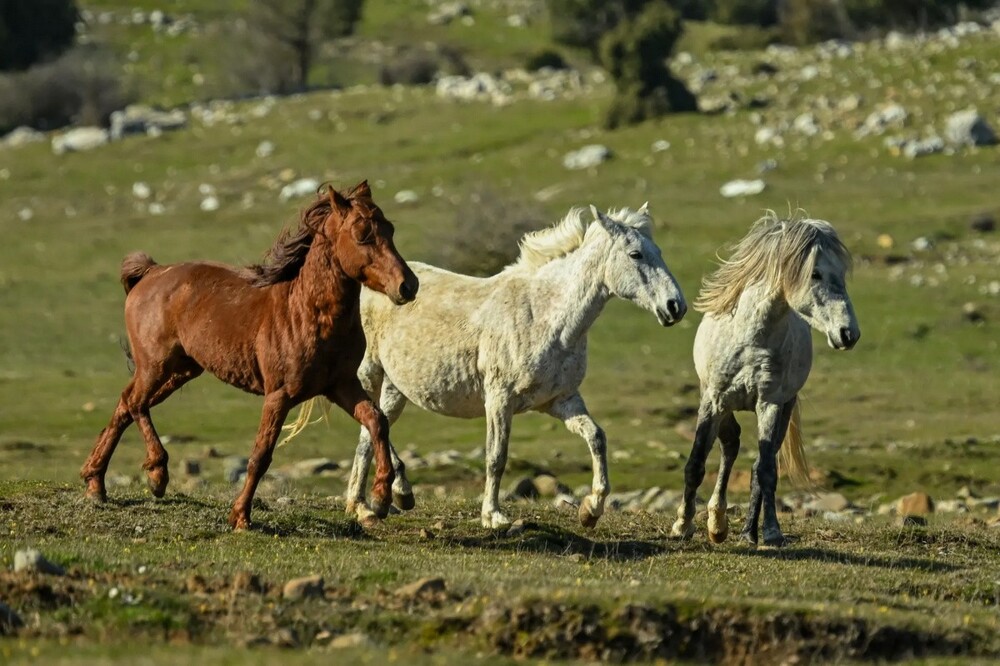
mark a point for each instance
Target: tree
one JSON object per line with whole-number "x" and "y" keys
{"x": 632, "y": 40}
{"x": 33, "y": 30}
{"x": 299, "y": 27}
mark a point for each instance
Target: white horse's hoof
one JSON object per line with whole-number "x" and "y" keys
{"x": 495, "y": 520}
{"x": 683, "y": 529}
{"x": 590, "y": 511}
{"x": 364, "y": 515}
{"x": 718, "y": 523}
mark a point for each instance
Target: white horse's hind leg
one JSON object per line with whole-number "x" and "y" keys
{"x": 392, "y": 403}
{"x": 729, "y": 438}
{"x": 370, "y": 374}
{"x": 498, "y": 418}
{"x": 694, "y": 471}
{"x": 572, "y": 411}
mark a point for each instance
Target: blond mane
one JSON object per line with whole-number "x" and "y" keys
{"x": 780, "y": 253}
{"x": 540, "y": 247}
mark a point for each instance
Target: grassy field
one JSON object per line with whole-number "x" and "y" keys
{"x": 914, "y": 407}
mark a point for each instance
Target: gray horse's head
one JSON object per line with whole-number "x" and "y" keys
{"x": 634, "y": 268}
{"x": 823, "y": 301}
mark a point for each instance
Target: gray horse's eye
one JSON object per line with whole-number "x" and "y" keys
{"x": 635, "y": 254}
{"x": 817, "y": 276}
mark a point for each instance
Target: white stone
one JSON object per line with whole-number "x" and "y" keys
{"x": 210, "y": 203}
{"x": 141, "y": 190}
{"x": 79, "y": 139}
{"x": 968, "y": 128}
{"x": 21, "y": 136}
{"x": 742, "y": 188}
{"x": 299, "y": 188}
{"x": 406, "y": 197}
{"x": 264, "y": 149}
{"x": 660, "y": 145}
{"x": 586, "y": 157}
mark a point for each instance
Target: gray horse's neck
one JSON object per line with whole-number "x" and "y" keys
{"x": 761, "y": 315}
{"x": 574, "y": 292}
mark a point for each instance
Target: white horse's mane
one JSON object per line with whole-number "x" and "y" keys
{"x": 781, "y": 253}
{"x": 540, "y": 247}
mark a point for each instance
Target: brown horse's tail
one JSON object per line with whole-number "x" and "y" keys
{"x": 134, "y": 267}
{"x": 792, "y": 453}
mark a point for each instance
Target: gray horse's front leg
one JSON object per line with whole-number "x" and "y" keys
{"x": 498, "y": 418}
{"x": 694, "y": 470}
{"x": 772, "y": 423}
{"x": 729, "y": 438}
{"x": 572, "y": 411}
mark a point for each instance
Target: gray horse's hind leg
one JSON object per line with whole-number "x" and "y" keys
{"x": 772, "y": 423}
{"x": 694, "y": 471}
{"x": 729, "y": 439}
{"x": 572, "y": 411}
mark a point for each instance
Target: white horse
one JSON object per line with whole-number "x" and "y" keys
{"x": 753, "y": 352}
{"x": 510, "y": 343}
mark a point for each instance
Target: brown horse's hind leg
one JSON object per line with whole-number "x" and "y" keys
{"x": 351, "y": 397}
{"x": 276, "y": 407}
{"x": 157, "y": 474}
{"x": 96, "y": 467}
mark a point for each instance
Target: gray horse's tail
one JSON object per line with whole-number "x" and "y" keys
{"x": 793, "y": 456}
{"x": 134, "y": 267}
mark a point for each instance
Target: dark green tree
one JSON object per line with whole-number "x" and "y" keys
{"x": 298, "y": 27}
{"x": 35, "y": 30}
{"x": 632, "y": 40}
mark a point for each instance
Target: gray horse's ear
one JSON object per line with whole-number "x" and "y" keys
{"x": 609, "y": 225}
{"x": 644, "y": 208}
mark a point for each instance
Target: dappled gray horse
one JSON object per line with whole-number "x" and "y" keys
{"x": 753, "y": 352}
{"x": 511, "y": 343}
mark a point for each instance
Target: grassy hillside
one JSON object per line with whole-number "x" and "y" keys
{"x": 913, "y": 407}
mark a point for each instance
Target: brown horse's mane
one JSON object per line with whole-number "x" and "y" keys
{"x": 286, "y": 257}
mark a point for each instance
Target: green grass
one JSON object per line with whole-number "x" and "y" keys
{"x": 913, "y": 407}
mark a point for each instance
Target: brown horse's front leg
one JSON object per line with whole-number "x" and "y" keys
{"x": 96, "y": 467}
{"x": 351, "y": 397}
{"x": 276, "y": 407}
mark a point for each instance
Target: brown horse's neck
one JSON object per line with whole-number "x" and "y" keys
{"x": 322, "y": 291}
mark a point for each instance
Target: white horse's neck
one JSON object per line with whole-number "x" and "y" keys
{"x": 761, "y": 315}
{"x": 573, "y": 291}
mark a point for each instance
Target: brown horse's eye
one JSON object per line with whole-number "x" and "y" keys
{"x": 364, "y": 234}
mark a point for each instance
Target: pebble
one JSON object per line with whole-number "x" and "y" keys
{"x": 302, "y": 588}
{"x": 31, "y": 559}
{"x": 421, "y": 588}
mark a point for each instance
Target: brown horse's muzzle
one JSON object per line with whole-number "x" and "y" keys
{"x": 407, "y": 289}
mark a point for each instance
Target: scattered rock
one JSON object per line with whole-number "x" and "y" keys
{"x": 885, "y": 241}
{"x": 302, "y": 588}
{"x": 310, "y": 467}
{"x": 21, "y": 136}
{"x": 190, "y": 467}
{"x": 284, "y": 637}
{"x": 264, "y": 149}
{"x": 827, "y": 502}
{"x": 950, "y": 506}
{"x": 914, "y": 504}
{"x": 447, "y": 12}
{"x": 742, "y": 188}
{"x": 354, "y": 639}
{"x": 922, "y": 244}
{"x": 141, "y": 119}
{"x": 972, "y": 313}
{"x": 984, "y": 223}
{"x": 244, "y": 581}
{"x": 209, "y": 203}
{"x": 877, "y": 122}
{"x": 234, "y": 468}
{"x": 406, "y": 197}
{"x": 549, "y": 486}
{"x": 911, "y": 521}
{"x": 299, "y": 188}
{"x": 923, "y": 147}
{"x": 30, "y": 559}
{"x": 968, "y": 128}
{"x": 79, "y": 139}
{"x": 586, "y": 157}
{"x": 660, "y": 145}
{"x": 421, "y": 588}
{"x": 479, "y": 86}
{"x": 517, "y": 527}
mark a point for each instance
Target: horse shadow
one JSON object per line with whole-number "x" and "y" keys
{"x": 555, "y": 540}
{"x": 826, "y": 555}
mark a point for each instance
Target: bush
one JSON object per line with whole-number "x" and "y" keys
{"x": 416, "y": 66}
{"x": 808, "y": 21}
{"x": 33, "y": 30}
{"x": 545, "y": 58}
{"x": 485, "y": 234}
{"x": 635, "y": 53}
{"x": 746, "y": 12}
{"x": 83, "y": 87}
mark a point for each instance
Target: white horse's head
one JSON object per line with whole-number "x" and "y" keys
{"x": 823, "y": 301}
{"x": 634, "y": 268}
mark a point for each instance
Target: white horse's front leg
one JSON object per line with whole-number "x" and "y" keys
{"x": 772, "y": 423}
{"x": 694, "y": 470}
{"x": 729, "y": 438}
{"x": 572, "y": 411}
{"x": 498, "y": 418}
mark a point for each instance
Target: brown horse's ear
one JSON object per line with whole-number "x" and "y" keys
{"x": 337, "y": 199}
{"x": 361, "y": 189}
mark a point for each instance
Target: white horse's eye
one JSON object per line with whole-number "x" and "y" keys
{"x": 635, "y": 254}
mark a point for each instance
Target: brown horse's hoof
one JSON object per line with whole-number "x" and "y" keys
{"x": 406, "y": 502}
{"x": 239, "y": 521}
{"x": 95, "y": 491}
{"x": 157, "y": 480}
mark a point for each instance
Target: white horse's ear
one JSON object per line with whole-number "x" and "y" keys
{"x": 596, "y": 213}
{"x": 644, "y": 208}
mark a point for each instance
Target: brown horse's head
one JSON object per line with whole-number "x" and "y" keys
{"x": 364, "y": 245}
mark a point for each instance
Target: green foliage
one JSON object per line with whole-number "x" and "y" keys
{"x": 635, "y": 53}
{"x": 33, "y": 30}
{"x": 808, "y": 21}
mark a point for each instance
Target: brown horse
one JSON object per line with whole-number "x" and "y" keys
{"x": 288, "y": 329}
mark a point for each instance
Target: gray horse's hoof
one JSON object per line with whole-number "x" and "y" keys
{"x": 404, "y": 501}
{"x": 748, "y": 538}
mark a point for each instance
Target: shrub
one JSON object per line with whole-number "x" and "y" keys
{"x": 33, "y": 30}
{"x": 747, "y": 12}
{"x": 808, "y": 21}
{"x": 545, "y": 58}
{"x": 416, "y": 66}
{"x": 485, "y": 233}
{"x": 83, "y": 86}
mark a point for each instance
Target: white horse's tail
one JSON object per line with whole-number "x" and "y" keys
{"x": 302, "y": 421}
{"x": 793, "y": 456}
